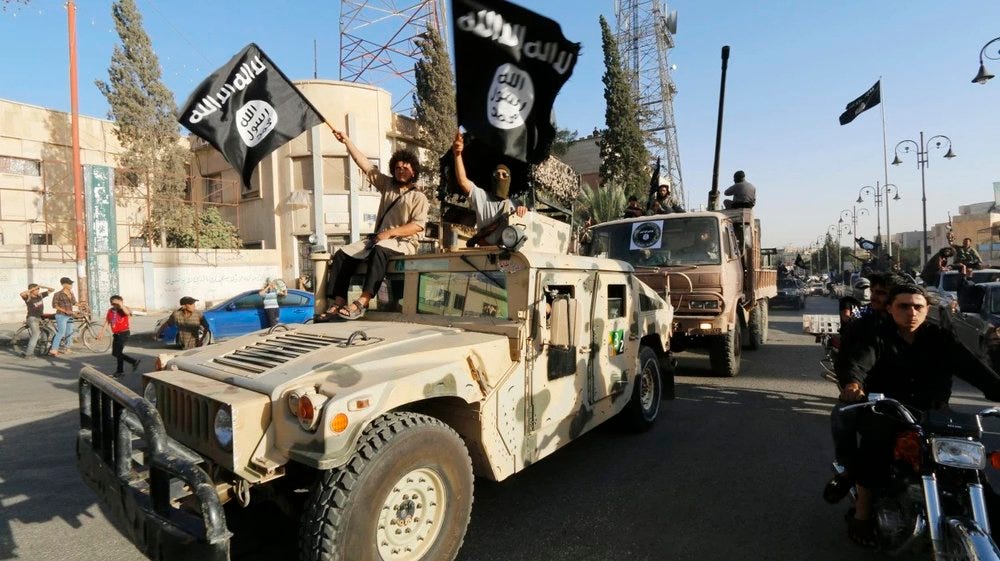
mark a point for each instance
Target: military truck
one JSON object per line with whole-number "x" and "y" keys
{"x": 709, "y": 266}
{"x": 476, "y": 362}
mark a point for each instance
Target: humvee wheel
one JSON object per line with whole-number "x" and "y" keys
{"x": 724, "y": 352}
{"x": 405, "y": 495}
{"x": 644, "y": 406}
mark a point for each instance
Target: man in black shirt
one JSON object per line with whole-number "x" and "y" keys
{"x": 912, "y": 362}
{"x": 34, "y": 299}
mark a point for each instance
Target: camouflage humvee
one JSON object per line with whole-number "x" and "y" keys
{"x": 476, "y": 362}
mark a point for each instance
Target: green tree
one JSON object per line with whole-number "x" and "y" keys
{"x": 144, "y": 113}
{"x": 624, "y": 157}
{"x": 207, "y": 229}
{"x": 564, "y": 137}
{"x": 434, "y": 102}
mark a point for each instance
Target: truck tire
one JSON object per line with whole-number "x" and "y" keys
{"x": 758, "y": 325}
{"x": 644, "y": 406}
{"x": 405, "y": 494}
{"x": 724, "y": 353}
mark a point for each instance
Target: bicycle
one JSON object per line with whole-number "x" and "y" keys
{"x": 89, "y": 330}
{"x": 46, "y": 328}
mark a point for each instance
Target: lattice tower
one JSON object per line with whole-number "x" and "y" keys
{"x": 378, "y": 43}
{"x": 645, "y": 34}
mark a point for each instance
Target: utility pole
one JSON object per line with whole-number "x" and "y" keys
{"x": 77, "y": 169}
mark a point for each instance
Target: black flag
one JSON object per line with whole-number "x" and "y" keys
{"x": 247, "y": 109}
{"x": 509, "y": 65}
{"x": 867, "y": 245}
{"x": 869, "y": 99}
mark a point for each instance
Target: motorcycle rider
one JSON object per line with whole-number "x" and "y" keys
{"x": 862, "y": 327}
{"x": 911, "y": 361}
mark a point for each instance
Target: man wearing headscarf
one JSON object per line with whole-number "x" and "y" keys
{"x": 487, "y": 206}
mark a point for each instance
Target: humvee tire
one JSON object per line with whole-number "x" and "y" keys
{"x": 644, "y": 405}
{"x": 758, "y": 325}
{"x": 724, "y": 353}
{"x": 405, "y": 494}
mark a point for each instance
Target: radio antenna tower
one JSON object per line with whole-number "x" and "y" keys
{"x": 378, "y": 43}
{"x": 645, "y": 33}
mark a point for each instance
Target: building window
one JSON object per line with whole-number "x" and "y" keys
{"x": 254, "y": 245}
{"x": 41, "y": 239}
{"x": 137, "y": 241}
{"x": 20, "y": 166}
{"x": 213, "y": 188}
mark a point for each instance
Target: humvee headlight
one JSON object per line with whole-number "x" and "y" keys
{"x": 224, "y": 427}
{"x": 511, "y": 238}
{"x": 339, "y": 423}
{"x": 149, "y": 393}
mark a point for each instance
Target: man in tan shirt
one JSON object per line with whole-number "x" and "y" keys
{"x": 402, "y": 215}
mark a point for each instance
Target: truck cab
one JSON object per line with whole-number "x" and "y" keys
{"x": 708, "y": 264}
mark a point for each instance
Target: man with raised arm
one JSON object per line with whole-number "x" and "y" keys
{"x": 487, "y": 206}
{"x": 402, "y": 215}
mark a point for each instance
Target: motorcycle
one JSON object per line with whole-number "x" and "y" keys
{"x": 936, "y": 492}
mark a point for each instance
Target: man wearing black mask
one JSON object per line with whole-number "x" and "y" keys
{"x": 487, "y": 207}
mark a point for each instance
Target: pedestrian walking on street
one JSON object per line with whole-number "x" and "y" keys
{"x": 118, "y": 318}
{"x": 64, "y": 302}
{"x": 189, "y": 322}
{"x": 34, "y": 299}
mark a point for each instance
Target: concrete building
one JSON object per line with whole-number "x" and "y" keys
{"x": 275, "y": 215}
{"x": 584, "y": 156}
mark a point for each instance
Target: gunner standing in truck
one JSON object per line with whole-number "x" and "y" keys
{"x": 486, "y": 206}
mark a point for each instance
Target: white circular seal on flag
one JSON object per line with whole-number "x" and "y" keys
{"x": 255, "y": 120}
{"x": 646, "y": 235}
{"x": 511, "y": 96}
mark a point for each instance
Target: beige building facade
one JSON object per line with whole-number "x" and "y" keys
{"x": 277, "y": 213}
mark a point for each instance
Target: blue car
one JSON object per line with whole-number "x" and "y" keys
{"x": 244, "y": 314}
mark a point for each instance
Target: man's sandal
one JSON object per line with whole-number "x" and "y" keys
{"x": 357, "y": 313}
{"x": 334, "y": 309}
{"x": 862, "y": 532}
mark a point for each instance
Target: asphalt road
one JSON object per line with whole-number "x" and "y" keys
{"x": 733, "y": 470}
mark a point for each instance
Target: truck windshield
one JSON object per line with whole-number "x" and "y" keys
{"x": 660, "y": 243}
{"x": 464, "y": 294}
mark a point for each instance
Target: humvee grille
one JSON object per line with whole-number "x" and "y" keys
{"x": 277, "y": 350}
{"x": 187, "y": 417}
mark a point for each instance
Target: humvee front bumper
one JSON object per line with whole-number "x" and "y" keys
{"x": 142, "y": 475}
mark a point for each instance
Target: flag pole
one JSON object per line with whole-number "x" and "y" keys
{"x": 885, "y": 167}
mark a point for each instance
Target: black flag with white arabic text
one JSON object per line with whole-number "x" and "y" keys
{"x": 509, "y": 65}
{"x": 247, "y": 109}
{"x": 869, "y": 99}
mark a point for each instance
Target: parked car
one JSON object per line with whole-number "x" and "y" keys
{"x": 244, "y": 313}
{"x": 791, "y": 292}
{"x": 816, "y": 288}
{"x": 946, "y": 285}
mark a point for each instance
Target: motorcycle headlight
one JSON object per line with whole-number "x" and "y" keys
{"x": 149, "y": 393}
{"x": 958, "y": 453}
{"x": 224, "y": 427}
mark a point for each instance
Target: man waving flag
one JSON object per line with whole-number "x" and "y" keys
{"x": 247, "y": 109}
{"x": 869, "y": 99}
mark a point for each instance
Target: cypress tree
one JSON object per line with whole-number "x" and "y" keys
{"x": 434, "y": 101}
{"x": 144, "y": 114}
{"x": 624, "y": 157}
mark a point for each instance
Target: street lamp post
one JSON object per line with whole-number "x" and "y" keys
{"x": 876, "y": 193}
{"x": 922, "y": 163}
{"x": 886, "y": 190}
{"x": 853, "y": 213}
{"x": 984, "y": 75}
{"x": 840, "y": 250}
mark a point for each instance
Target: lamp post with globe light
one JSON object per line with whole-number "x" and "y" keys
{"x": 923, "y": 150}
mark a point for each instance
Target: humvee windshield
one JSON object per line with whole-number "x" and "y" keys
{"x": 660, "y": 243}
{"x": 465, "y": 294}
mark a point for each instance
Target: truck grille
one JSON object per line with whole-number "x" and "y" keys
{"x": 187, "y": 417}
{"x": 277, "y": 350}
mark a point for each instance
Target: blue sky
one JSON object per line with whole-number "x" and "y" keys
{"x": 793, "y": 67}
